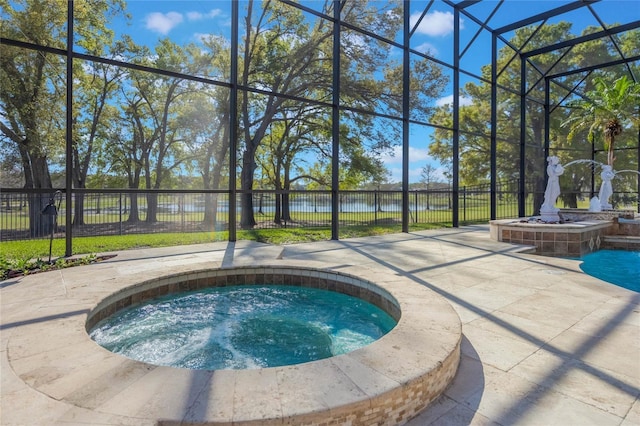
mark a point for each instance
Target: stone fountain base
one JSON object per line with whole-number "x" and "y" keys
{"x": 578, "y": 233}
{"x": 577, "y": 215}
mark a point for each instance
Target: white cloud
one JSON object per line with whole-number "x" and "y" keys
{"x": 435, "y": 23}
{"x": 438, "y": 174}
{"x": 194, "y": 16}
{"x": 448, "y": 100}
{"x": 214, "y": 12}
{"x": 415, "y": 174}
{"x": 418, "y": 154}
{"x": 418, "y": 158}
{"x": 197, "y": 16}
{"x": 427, "y": 49}
{"x": 395, "y": 174}
{"x": 202, "y": 37}
{"x": 415, "y": 154}
{"x": 163, "y": 22}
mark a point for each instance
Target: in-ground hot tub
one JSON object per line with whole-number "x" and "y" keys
{"x": 243, "y": 326}
{"x": 386, "y": 382}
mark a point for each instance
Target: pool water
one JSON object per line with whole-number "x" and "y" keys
{"x": 240, "y": 327}
{"x": 617, "y": 267}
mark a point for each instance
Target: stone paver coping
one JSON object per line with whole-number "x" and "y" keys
{"x": 393, "y": 378}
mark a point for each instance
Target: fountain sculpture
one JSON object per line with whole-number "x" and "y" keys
{"x": 573, "y": 232}
{"x": 606, "y": 190}
{"x": 548, "y": 210}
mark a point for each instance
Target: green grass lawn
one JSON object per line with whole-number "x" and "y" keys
{"x": 32, "y": 255}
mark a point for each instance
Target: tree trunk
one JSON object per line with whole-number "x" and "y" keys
{"x": 277, "y": 211}
{"x": 134, "y": 212}
{"x": 40, "y": 225}
{"x": 247, "y": 219}
{"x": 211, "y": 200}
{"x": 78, "y": 209}
{"x": 37, "y": 176}
{"x": 210, "y": 210}
{"x": 610, "y": 152}
{"x": 286, "y": 208}
{"x": 152, "y": 207}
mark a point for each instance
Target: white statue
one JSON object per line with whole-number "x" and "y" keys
{"x": 605, "y": 187}
{"x": 594, "y": 205}
{"x": 548, "y": 209}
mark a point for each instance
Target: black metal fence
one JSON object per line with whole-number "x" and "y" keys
{"x": 120, "y": 212}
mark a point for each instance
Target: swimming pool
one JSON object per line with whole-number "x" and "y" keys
{"x": 619, "y": 267}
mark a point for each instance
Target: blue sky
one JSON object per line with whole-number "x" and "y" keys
{"x": 188, "y": 21}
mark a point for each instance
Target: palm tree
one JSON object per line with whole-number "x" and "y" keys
{"x": 607, "y": 108}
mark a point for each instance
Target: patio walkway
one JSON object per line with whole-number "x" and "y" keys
{"x": 544, "y": 344}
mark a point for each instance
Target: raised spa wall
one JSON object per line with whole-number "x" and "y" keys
{"x": 394, "y": 393}
{"x": 230, "y": 277}
{"x": 580, "y": 232}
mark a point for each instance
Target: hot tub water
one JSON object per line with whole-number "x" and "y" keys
{"x": 241, "y": 327}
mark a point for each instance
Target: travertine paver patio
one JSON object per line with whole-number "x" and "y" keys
{"x": 544, "y": 344}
